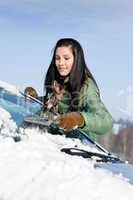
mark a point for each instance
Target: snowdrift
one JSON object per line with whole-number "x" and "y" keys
{"x": 36, "y": 169}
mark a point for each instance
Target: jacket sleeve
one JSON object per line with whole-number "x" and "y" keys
{"x": 96, "y": 117}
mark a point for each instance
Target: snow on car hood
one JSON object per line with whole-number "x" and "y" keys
{"x": 35, "y": 169}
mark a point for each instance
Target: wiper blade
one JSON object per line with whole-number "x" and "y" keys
{"x": 100, "y": 157}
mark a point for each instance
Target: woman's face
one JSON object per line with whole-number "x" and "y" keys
{"x": 64, "y": 60}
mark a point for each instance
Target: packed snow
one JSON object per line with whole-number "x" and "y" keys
{"x": 35, "y": 168}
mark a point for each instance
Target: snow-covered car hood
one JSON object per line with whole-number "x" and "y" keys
{"x": 36, "y": 169}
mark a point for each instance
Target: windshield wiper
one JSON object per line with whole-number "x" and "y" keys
{"x": 99, "y": 157}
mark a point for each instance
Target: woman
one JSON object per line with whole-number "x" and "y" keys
{"x": 72, "y": 92}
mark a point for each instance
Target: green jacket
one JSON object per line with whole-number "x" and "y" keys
{"x": 97, "y": 119}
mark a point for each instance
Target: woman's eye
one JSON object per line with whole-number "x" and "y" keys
{"x": 57, "y": 58}
{"x": 64, "y": 58}
{"x": 67, "y": 58}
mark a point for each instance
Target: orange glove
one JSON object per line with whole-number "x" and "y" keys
{"x": 31, "y": 91}
{"x": 70, "y": 120}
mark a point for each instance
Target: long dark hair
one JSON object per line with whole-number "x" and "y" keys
{"x": 79, "y": 72}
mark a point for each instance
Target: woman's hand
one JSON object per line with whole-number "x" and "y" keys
{"x": 31, "y": 91}
{"x": 70, "y": 121}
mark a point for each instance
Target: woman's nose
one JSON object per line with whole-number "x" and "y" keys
{"x": 61, "y": 62}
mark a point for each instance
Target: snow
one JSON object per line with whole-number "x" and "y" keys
{"x": 7, "y": 126}
{"x": 9, "y": 87}
{"x": 36, "y": 169}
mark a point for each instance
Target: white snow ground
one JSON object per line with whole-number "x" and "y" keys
{"x": 35, "y": 169}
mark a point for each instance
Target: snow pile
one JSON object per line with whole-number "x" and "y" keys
{"x": 36, "y": 169}
{"x": 7, "y": 125}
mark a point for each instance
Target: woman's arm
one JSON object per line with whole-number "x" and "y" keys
{"x": 97, "y": 119}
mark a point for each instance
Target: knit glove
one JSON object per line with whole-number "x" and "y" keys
{"x": 70, "y": 121}
{"x": 31, "y": 91}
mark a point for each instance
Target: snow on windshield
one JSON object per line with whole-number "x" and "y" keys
{"x": 36, "y": 169}
{"x": 9, "y": 87}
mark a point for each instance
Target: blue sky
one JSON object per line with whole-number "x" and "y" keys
{"x": 29, "y": 30}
